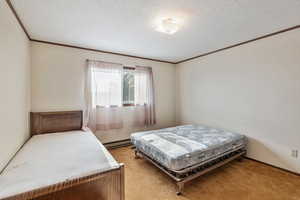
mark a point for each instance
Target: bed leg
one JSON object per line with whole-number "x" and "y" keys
{"x": 180, "y": 187}
{"x": 240, "y": 159}
{"x": 136, "y": 154}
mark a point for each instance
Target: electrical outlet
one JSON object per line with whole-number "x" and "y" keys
{"x": 295, "y": 153}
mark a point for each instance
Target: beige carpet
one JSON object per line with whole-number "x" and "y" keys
{"x": 247, "y": 180}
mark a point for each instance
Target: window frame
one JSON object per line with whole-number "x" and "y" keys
{"x": 127, "y": 104}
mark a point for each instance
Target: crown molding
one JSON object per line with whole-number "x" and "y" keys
{"x": 239, "y": 44}
{"x": 99, "y": 51}
{"x": 73, "y": 46}
{"x": 144, "y": 58}
{"x": 18, "y": 18}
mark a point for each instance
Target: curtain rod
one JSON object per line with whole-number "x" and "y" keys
{"x": 125, "y": 66}
{"x": 103, "y": 61}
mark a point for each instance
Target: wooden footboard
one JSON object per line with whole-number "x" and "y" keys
{"x": 103, "y": 186}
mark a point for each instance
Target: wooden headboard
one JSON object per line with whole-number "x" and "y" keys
{"x": 51, "y": 122}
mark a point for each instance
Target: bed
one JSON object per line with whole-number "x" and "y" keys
{"x": 187, "y": 152}
{"x": 61, "y": 161}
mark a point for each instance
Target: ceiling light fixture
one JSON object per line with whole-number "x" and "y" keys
{"x": 168, "y": 26}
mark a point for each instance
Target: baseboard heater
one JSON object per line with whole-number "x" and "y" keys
{"x": 117, "y": 144}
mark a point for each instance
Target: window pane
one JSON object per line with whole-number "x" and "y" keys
{"x": 108, "y": 88}
{"x": 128, "y": 88}
{"x": 140, "y": 88}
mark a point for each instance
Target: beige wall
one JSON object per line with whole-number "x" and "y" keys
{"x": 14, "y": 85}
{"x": 58, "y": 83}
{"x": 253, "y": 89}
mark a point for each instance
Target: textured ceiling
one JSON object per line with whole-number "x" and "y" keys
{"x": 128, "y": 26}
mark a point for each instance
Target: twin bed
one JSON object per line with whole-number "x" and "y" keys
{"x": 187, "y": 152}
{"x": 60, "y": 161}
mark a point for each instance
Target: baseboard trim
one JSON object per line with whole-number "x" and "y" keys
{"x": 127, "y": 142}
{"x": 285, "y": 170}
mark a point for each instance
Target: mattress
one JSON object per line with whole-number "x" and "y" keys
{"x": 54, "y": 158}
{"x": 180, "y": 147}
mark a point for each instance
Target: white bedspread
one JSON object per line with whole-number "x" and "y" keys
{"x": 52, "y": 158}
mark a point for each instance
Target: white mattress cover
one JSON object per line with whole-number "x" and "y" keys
{"x": 53, "y": 158}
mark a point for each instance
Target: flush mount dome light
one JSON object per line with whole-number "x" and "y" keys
{"x": 168, "y": 26}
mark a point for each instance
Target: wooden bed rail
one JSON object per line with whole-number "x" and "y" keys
{"x": 107, "y": 185}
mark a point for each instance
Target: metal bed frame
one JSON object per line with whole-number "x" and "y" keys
{"x": 188, "y": 174}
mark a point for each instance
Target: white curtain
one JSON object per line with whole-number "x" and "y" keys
{"x": 103, "y": 95}
{"x": 144, "y": 97}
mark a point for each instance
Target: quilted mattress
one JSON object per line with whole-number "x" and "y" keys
{"x": 180, "y": 147}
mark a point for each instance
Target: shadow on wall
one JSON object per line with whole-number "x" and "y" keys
{"x": 128, "y": 128}
{"x": 124, "y": 133}
{"x": 262, "y": 152}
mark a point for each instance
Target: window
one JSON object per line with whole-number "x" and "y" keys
{"x": 109, "y": 86}
{"x": 115, "y": 86}
{"x": 128, "y": 87}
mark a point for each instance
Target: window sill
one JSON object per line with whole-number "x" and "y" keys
{"x": 127, "y": 105}
{"x": 134, "y": 105}
{"x": 124, "y": 105}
